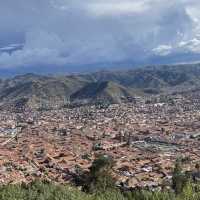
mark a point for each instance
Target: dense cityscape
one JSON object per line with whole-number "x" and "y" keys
{"x": 144, "y": 138}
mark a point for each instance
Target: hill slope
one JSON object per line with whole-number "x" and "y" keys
{"x": 39, "y": 91}
{"x": 104, "y": 86}
{"x": 102, "y": 92}
{"x": 160, "y": 78}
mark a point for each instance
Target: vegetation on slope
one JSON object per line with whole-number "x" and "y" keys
{"x": 49, "y": 191}
{"x": 98, "y": 184}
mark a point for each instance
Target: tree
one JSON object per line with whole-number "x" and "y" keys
{"x": 179, "y": 179}
{"x": 197, "y": 167}
{"x": 99, "y": 177}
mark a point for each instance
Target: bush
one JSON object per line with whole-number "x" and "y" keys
{"x": 41, "y": 191}
{"x": 49, "y": 191}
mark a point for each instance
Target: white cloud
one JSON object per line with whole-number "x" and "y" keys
{"x": 162, "y": 50}
{"x": 192, "y": 45}
{"x": 117, "y": 7}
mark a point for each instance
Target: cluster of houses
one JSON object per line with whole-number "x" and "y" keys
{"x": 144, "y": 139}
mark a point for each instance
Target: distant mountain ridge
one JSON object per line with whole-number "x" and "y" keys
{"x": 103, "y": 86}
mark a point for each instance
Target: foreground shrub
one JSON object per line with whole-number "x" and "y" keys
{"x": 41, "y": 191}
{"x": 49, "y": 191}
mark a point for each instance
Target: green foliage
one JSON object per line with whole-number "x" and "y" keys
{"x": 101, "y": 163}
{"x": 109, "y": 195}
{"x": 40, "y": 191}
{"x": 179, "y": 179}
{"x": 148, "y": 195}
{"x": 99, "y": 178}
{"x": 49, "y": 191}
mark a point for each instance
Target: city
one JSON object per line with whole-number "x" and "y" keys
{"x": 99, "y": 100}
{"x": 144, "y": 137}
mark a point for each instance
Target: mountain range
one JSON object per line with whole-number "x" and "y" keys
{"x": 37, "y": 91}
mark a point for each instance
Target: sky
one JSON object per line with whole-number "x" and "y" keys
{"x": 78, "y": 33}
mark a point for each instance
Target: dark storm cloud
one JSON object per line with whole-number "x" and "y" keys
{"x": 64, "y": 32}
